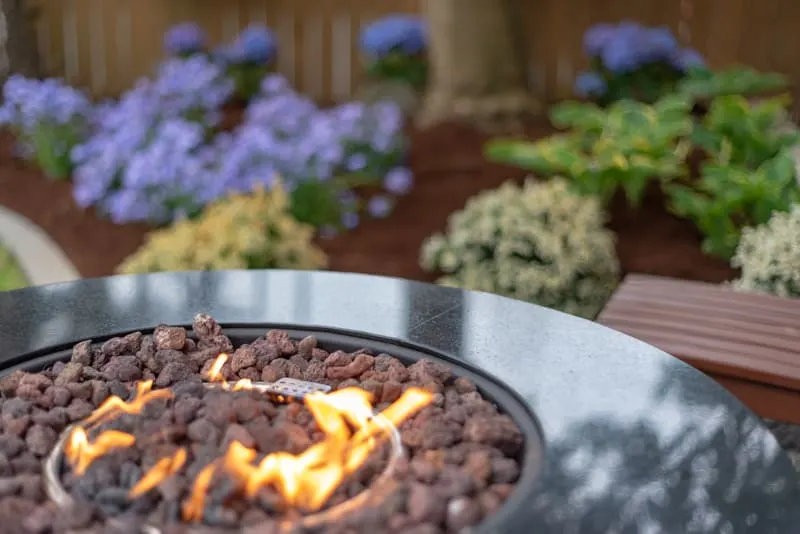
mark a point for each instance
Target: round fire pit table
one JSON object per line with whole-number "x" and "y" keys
{"x": 619, "y": 436}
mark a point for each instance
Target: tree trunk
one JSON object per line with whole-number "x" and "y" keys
{"x": 477, "y": 65}
{"x": 18, "y": 48}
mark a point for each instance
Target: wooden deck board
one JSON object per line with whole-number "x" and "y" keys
{"x": 749, "y": 343}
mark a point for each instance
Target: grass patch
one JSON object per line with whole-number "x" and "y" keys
{"x": 11, "y": 276}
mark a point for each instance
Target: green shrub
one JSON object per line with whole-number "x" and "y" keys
{"x": 621, "y": 147}
{"x": 703, "y": 84}
{"x": 769, "y": 256}
{"x": 741, "y": 132}
{"x": 728, "y": 198}
{"x": 252, "y": 231}
{"x": 541, "y": 243}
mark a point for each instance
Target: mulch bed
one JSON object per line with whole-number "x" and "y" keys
{"x": 462, "y": 460}
{"x": 449, "y": 168}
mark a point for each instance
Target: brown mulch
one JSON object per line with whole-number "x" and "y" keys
{"x": 449, "y": 168}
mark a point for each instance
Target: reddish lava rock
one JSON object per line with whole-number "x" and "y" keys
{"x": 449, "y": 168}
{"x": 461, "y": 453}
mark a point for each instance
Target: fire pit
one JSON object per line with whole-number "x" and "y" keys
{"x": 344, "y": 404}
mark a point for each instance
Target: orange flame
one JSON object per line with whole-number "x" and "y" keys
{"x": 214, "y": 374}
{"x": 309, "y": 479}
{"x": 114, "y": 406}
{"x": 80, "y": 452}
{"x": 162, "y": 470}
{"x": 193, "y": 508}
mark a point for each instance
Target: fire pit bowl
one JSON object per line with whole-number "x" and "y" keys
{"x": 614, "y": 436}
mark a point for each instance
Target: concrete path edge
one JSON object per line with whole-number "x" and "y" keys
{"x": 39, "y": 257}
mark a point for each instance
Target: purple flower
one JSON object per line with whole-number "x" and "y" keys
{"x": 147, "y": 159}
{"x": 596, "y": 38}
{"x": 621, "y": 55}
{"x": 350, "y": 219}
{"x": 28, "y": 103}
{"x": 687, "y": 59}
{"x": 356, "y": 162}
{"x": 590, "y": 84}
{"x": 379, "y": 207}
{"x": 661, "y": 42}
{"x": 275, "y": 84}
{"x": 398, "y": 181}
{"x": 256, "y": 44}
{"x": 184, "y": 39}
{"x": 405, "y": 34}
{"x": 189, "y": 85}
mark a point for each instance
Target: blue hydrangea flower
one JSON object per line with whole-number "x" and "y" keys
{"x": 590, "y": 84}
{"x": 662, "y": 41}
{"x": 687, "y": 59}
{"x": 29, "y": 102}
{"x": 596, "y": 38}
{"x": 184, "y": 39}
{"x": 350, "y": 219}
{"x": 256, "y": 44}
{"x": 622, "y": 55}
{"x": 275, "y": 84}
{"x": 654, "y": 44}
{"x": 398, "y": 181}
{"x": 405, "y": 34}
{"x": 379, "y": 206}
{"x": 150, "y": 159}
{"x": 194, "y": 83}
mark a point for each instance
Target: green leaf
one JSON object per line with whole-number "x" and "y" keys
{"x": 701, "y": 84}
{"x": 634, "y": 186}
{"x": 550, "y": 155}
{"x": 316, "y": 203}
{"x": 578, "y": 115}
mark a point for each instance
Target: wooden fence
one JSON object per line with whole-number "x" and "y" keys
{"x": 104, "y": 45}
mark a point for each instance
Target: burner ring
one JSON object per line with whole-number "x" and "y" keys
{"x": 383, "y": 484}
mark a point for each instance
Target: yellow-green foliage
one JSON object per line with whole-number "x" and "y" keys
{"x": 252, "y": 231}
{"x": 769, "y": 256}
{"x": 541, "y": 243}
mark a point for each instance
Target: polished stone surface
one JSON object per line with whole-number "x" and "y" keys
{"x": 637, "y": 442}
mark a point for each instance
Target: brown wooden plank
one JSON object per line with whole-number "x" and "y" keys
{"x": 688, "y": 307}
{"x": 771, "y": 402}
{"x": 715, "y": 329}
{"x": 782, "y": 349}
{"x": 676, "y": 314}
{"x": 730, "y": 358}
{"x": 701, "y": 292}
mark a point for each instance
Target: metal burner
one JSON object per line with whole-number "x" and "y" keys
{"x": 290, "y": 389}
{"x": 283, "y": 390}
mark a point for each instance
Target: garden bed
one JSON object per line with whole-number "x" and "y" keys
{"x": 449, "y": 168}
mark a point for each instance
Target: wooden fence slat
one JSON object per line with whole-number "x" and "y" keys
{"x": 318, "y": 38}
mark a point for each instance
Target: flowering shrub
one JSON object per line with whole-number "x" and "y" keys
{"x": 322, "y": 154}
{"x": 254, "y": 231}
{"x": 769, "y": 256}
{"x": 185, "y": 39}
{"x": 147, "y": 159}
{"x": 395, "y": 48}
{"x": 49, "y": 118}
{"x": 540, "y": 243}
{"x": 249, "y": 59}
{"x": 151, "y": 160}
{"x": 633, "y": 61}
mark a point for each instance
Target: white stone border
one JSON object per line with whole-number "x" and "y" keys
{"x": 39, "y": 257}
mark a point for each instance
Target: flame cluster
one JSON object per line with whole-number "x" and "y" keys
{"x": 305, "y": 481}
